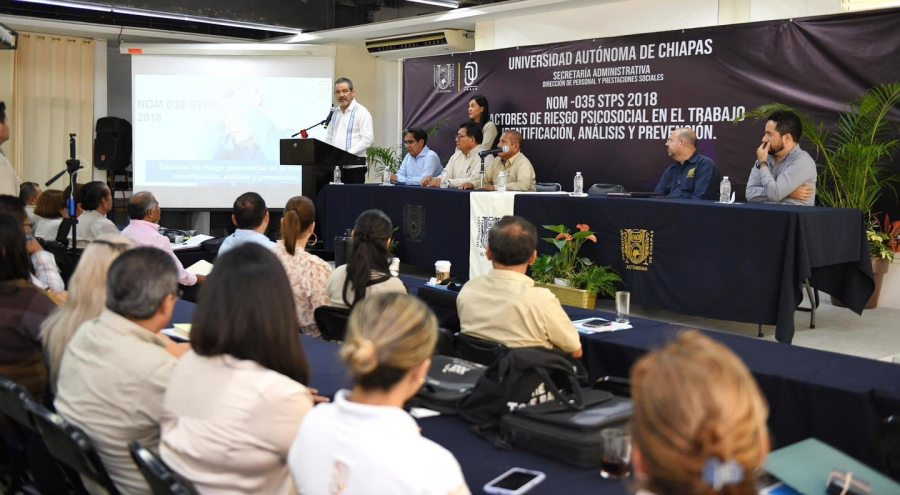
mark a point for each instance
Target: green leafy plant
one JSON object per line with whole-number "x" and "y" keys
{"x": 380, "y": 157}
{"x": 879, "y": 242}
{"x": 856, "y": 153}
{"x": 582, "y": 273}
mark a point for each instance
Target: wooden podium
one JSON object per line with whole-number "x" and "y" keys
{"x": 318, "y": 160}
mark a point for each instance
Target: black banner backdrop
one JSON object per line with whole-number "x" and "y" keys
{"x": 606, "y": 106}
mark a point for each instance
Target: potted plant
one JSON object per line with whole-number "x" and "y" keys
{"x": 855, "y": 156}
{"x": 882, "y": 256}
{"x": 378, "y": 158}
{"x": 576, "y": 281}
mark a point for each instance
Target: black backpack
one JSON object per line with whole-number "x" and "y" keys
{"x": 524, "y": 377}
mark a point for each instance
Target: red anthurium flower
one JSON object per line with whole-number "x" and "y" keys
{"x": 583, "y": 227}
{"x": 592, "y": 238}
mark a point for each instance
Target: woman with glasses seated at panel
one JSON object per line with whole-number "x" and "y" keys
{"x": 368, "y": 265}
{"x": 365, "y": 442}
{"x": 235, "y": 402}
{"x": 87, "y": 297}
{"x": 22, "y": 309}
{"x": 307, "y": 273}
{"x": 699, "y": 424}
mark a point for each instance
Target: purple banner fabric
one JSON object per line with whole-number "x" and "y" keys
{"x": 605, "y": 107}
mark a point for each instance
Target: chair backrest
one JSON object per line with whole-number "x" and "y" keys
{"x": 445, "y": 345}
{"x": 603, "y": 189}
{"x": 548, "y": 187}
{"x": 161, "y": 478}
{"x": 332, "y": 322}
{"x": 443, "y": 303}
{"x": 614, "y": 384}
{"x": 70, "y": 445}
{"x": 13, "y": 402}
{"x": 477, "y": 349}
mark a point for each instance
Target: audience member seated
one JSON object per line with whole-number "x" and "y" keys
{"x": 504, "y": 306}
{"x": 307, "y": 273}
{"x": 22, "y": 309}
{"x": 699, "y": 422}
{"x": 368, "y": 265}
{"x": 30, "y": 192}
{"x": 251, "y": 218}
{"x": 115, "y": 370}
{"x": 235, "y": 403}
{"x": 9, "y": 181}
{"x": 365, "y": 442}
{"x": 45, "y": 271}
{"x": 87, "y": 298}
{"x": 96, "y": 200}
{"x": 49, "y": 213}
{"x": 143, "y": 229}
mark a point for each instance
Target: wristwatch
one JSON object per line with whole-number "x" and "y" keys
{"x": 759, "y": 163}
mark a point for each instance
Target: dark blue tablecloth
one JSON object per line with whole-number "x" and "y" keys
{"x": 432, "y": 224}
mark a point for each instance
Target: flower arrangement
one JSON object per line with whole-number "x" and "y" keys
{"x": 565, "y": 264}
{"x": 879, "y": 237}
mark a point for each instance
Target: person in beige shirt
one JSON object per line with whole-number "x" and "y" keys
{"x": 517, "y": 167}
{"x": 115, "y": 369}
{"x": 504, "y": 306}
{"x": 463, "y": 170}
{"x": 9, "y": 181}
{"x": 236, "y": 401}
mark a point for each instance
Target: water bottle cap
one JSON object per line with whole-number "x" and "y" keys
{"x": 577, "y": 173}
{"x": 725, "y": 178}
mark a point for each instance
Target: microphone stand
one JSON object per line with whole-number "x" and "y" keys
{"x": 482, "y": 174}
{"x": 73, "y": 165}
{"x": 303, "y": 134}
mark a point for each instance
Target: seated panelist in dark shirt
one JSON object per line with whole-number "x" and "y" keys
{"x": 692, "y": 176}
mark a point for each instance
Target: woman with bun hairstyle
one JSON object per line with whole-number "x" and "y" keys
{"x": 480, "y": 113}
{"x": 699, "y": 424}
{"x": 364, "y": 441}
{"x": 307, "y": 272}
{"x": 368, "y": 263}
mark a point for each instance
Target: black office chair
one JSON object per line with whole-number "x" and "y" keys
{"x": 13, "y": 467}
{"x": 445, "y": 345}
{"x": 604, "y": 189}
{"x": 332, "y": 322}
{"x": 548, "y": 187}
{"x": 70, "y": 446}
{"x": 615, "y": 385}
{"x": 478, "y": 350}
{"x": 888, "y": 446}
{"x": 160, "y": 477}
{"x": 211, "y": 246}
{"x": 443, "y": 303}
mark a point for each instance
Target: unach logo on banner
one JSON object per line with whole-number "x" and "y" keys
{"x": 470, "y": 73}
{"x": 444, "y": 74}
{"x": 637, "y": 248}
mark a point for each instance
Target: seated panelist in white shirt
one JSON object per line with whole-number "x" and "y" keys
{"x": 364, "y": 442}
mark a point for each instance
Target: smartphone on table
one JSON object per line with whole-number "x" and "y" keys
{"x": 514, "y": 482}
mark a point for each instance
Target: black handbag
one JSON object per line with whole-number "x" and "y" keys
{"x": 450, "y": 379}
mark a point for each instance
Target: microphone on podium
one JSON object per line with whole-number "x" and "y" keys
{"x": 303, "y": 134}
{"x": 493, "y": 152}
{"x": 328, "y": 119}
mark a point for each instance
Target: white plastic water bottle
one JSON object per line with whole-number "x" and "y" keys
{"x": 337, "y": 175}
{"x": 725, "y": 190}
{"x": 445, "y": 182}
{"x": 579, "y": 184}
{"x": 501, "y": 182}
{"x": 386, "y": 177}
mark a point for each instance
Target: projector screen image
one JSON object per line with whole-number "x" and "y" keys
{"x": 207, "y": 129}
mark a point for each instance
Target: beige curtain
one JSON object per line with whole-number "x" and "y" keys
{"x": 54, "y": 97}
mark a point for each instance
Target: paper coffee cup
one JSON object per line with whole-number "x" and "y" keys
{"x": 442, "y": 270}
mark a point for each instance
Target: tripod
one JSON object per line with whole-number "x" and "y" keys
{"x": 73, "y": 165}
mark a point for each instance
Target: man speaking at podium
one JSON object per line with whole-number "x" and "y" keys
{"x": 350, "y": 128}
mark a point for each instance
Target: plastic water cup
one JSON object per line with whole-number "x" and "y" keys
{"x": 623, "y": 306}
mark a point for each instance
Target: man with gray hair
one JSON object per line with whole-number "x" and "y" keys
{"x": 115, "y": 370}
{"x": 515, "y": 165}
{"x": 143, "y": 229}
{"x": 693, "y": 175}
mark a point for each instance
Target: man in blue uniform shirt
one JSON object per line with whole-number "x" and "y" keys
{"x": 419, "y": 162}
{"x": 693, "y": 175}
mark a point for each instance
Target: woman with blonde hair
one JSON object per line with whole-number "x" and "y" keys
{"x": 87, "y": 298}
{"x": 699, "y": 423}
{"x": 364, "y": 439}
{"x": 307, "y": 272}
